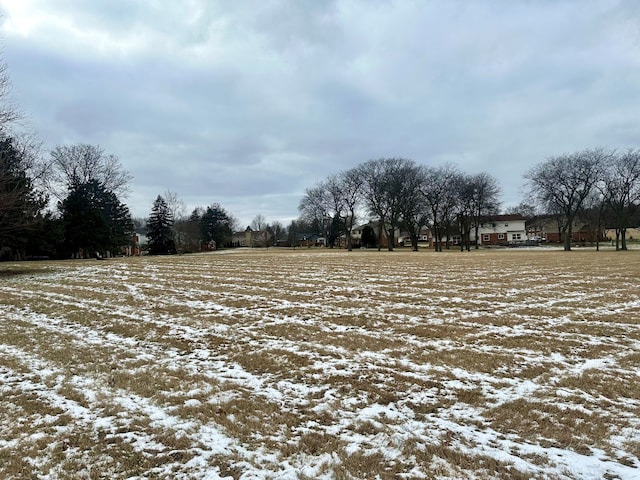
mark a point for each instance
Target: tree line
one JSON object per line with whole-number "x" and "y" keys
{"x": 170, "y": 230}
{"x": 401, "y": 194}
{"x": 600, "y": 183}
{"x": 90, "y": 220}
{"x": 398, "y": 193}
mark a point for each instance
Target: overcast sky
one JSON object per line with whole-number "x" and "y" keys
{"x": 247, "y": 103}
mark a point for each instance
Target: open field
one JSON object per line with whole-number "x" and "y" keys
{"x": 322, "y": 364}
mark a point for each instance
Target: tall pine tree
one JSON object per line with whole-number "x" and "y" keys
{"x": 160, "y": 229}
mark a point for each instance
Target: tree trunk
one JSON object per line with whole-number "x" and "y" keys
{"x": 414, "y": 242}
{"x": 567, "y": 238}
{"x": 599, "y": 229}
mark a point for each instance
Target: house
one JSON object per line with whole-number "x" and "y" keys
{"x": 451, "y": 237}
{"x": 251, "y": 238}
{"x": 310, "y": 240}
{"x": 548, "y": 228}
{"x": 502, "y": 230}
{"x": 424, "y": 236}
{"x": 632, "y": 234}
{"x": 544, "y": 228}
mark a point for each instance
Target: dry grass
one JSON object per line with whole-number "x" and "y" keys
{"x": 318, "y": 364}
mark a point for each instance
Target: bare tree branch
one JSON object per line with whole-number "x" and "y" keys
{"x": 81, "y": 163}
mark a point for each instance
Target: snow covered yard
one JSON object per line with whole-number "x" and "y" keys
{"x": 322, "y": 364}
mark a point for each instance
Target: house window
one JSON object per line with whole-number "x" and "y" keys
{"x": 516, "y": 236}
{"x": 501, "y": 236}
{"x": 506, "y": 224}
{"x": 485, "y": 237}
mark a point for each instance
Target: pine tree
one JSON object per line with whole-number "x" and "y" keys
{"x": 216, "y": 225}
{"x": 95, "y": 221}
{"x": 160, "y": 229}
{"x": 20, "y": 202}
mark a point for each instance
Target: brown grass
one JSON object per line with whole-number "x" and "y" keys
{"x": 350, "y": 362}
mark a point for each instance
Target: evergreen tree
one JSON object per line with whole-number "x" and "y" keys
{"x": 46, "y": 238}
{"x": 95, "y": 222}
{"x": 216, "y": 225}
{"x": 160, "y": 229}
{"x": 20, "y": 202}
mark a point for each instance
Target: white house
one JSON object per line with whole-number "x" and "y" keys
{"x": 502, "y": 230}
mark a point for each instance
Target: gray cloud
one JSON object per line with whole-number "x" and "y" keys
{"x": 247, "y": 104}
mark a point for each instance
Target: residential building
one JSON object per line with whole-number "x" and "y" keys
{"x": 502, "y": 230}
{"x": 548, "y": 228}
{"x": 251, "y": 238}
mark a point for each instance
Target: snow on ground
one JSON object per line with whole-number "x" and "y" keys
{"x": 317, "y": 364}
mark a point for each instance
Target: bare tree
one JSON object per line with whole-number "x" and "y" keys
{"x": 621, "y": 191}
{"x": 332, "y": 204}
{"x": 564, "y": 182}
{"x": 278, "y": 231}
{"x": 258, "y": 223}
{"x": 525, "y": 209}
{"x": 180, "y": 226}
{"x": 321, "y": 206}
{"x": 414, "y": 208}
{"x": 485, "y": 200}
{"x": 9, "y": 113}
{"x": 465, "y": 208}
{"x": 384, "y": 191}
{"x": 81, "y": 163}
{"x": 351, "y": 186}
{"x": 440, "y": 199}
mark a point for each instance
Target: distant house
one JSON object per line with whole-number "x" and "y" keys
{"x": 423, "y": 237}
{"x": 502, "y": 230}
{"x": 251, "y": 238}
{"x": 309, "y": 240}
{"x": 632, "y": 234}
{"x": 548, "y": 228}
{"x": 451, "y": 237}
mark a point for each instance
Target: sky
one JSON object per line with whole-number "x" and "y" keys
{"x": 248, "y": 103}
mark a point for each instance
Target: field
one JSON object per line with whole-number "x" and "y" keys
{"x": 322, "y": 364}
